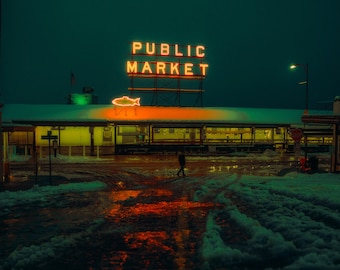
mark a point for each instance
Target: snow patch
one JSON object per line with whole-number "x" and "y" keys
{"x": 43, "y": 193}
{"x": 35, "y": 255}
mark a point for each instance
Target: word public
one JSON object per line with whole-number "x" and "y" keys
{"x": 167, "y": 68}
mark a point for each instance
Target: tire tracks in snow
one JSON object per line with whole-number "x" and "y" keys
{"x": 262, "y": 227}
{"x": 311, "y": 226}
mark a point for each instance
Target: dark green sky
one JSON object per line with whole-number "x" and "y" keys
{"x": 250, "y": 45}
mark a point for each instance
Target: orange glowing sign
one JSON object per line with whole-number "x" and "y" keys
{"x": 126, "y": 101}
{"x": 164, "y": 52}
{"x": 165, "y": 49}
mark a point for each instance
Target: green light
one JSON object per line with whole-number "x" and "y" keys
{"x": 81, "y": 99}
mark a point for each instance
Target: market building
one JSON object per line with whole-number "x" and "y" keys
{"x": 109, "y": 129}
{"x": 86, "y": 128}
{"x": 331, "y": 119}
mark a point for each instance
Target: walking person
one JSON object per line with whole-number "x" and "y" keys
{"x": 55, "y": 147}
{"x": 181, "y": 161}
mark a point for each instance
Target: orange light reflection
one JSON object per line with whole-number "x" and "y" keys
{"x": 157, "y": 193}
{"x": 118, "y": 260}
{"x": 148, "y": 239}
{"x": 161, "y": 113}
{"x": 166, "y": 208}
{"x": 123, "y": 195}
{"x": 168, "y": 241}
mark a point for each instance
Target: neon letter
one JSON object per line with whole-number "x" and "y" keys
{"x": 147, "y": 68}
{"x": 200, "y": 51}
{"x": 189, "y": 50}
{"x": 152, "y": 51}
{"x": 203, "y": 68}
{"x": 177, "y": 53}
{"x": 136, "y": 46}
{"x": 160, "y": 66}
{"x": 165, "y": 49}
{"x": 174, "y": 68}
{"x": 188, "y": 69}
{"x": 131, "y": 67}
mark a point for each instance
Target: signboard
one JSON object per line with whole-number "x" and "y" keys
{"x": 296, "y": 134}
{"x": 49, "y": 137}
{"x": 126, "y": 101}
{"x": 167, "y": 60}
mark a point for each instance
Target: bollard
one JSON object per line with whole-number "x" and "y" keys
{"x": 6, "y": 171}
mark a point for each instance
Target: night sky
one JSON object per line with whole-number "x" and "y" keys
{"x": 250, "y": 45}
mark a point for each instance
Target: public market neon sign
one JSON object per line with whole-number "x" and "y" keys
{"x": 166, "y": 67}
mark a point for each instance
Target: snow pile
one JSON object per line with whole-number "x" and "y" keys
{"x": 215, "y": 251}
{"x": 45, "y": 193}
{"x": 34, "y": 256}
{"x": 262, "y": 243}
{"x": 58, "y": 159}
{"x": 291, "y": 222}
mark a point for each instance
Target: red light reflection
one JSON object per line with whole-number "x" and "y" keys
{"x": 161, "y": 230}
{"x": 123, "y": 195}
{"x": 167, "y": 208}
{"x": 148, "y": 239}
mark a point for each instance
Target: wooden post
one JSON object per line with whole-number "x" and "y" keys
{"x": 335, "y": 151}
{"x": 1, "y": 149}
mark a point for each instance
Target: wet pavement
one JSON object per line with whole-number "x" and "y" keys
{"x": 143, "y": 224}
{"x": 145, "y": 219}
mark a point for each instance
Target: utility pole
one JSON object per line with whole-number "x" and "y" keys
{"x": 1, "y": 134}
{"x": 1, "y": 149}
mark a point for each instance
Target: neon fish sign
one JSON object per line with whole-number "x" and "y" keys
{"x": 167, "y": 68}
{"x": 126, "y": 101}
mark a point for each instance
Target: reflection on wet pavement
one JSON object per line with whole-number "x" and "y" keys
{"x": 164, "y": 229}
{"x": 152, "y": 225}
{"x": 145, "y": 219}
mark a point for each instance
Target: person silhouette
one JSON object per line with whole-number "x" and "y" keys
{"x": 181, "y": 161}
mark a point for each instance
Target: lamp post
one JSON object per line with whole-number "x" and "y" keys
{"x": 1, "y": 150}
{"x": 305, "y": 67}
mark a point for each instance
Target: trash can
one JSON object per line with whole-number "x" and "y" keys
{"x": 313, "y": 163}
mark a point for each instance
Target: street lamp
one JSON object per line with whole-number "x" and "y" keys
{"x": 305, "y": 66}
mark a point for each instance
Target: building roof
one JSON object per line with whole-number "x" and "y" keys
{"x": 51, "y": 114}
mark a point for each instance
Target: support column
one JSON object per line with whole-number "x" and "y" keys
{"x": 335, "y": 150}
{"x": 91, "y": 129}
{"x": 1, "y": 149}
{"x": 115, "y": 139}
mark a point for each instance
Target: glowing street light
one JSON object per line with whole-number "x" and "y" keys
{"x": 305, "y": 66}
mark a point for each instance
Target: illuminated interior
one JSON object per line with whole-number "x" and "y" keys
{"x": 102, "y": 130}
{"x": 77, "y": 140}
